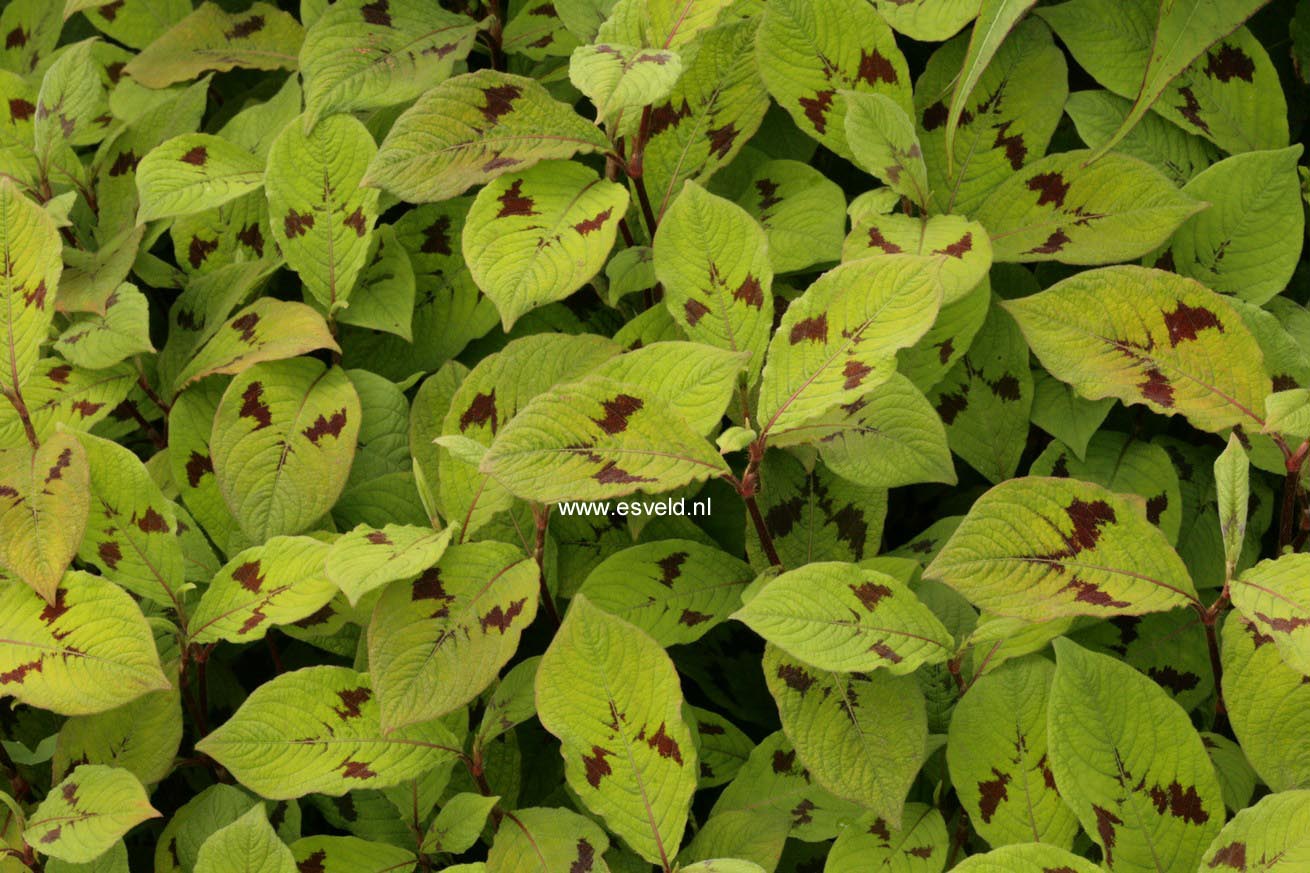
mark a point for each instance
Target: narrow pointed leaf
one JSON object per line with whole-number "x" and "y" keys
{"x": 1232, "y": 476}
{"x": 881, "y": 136}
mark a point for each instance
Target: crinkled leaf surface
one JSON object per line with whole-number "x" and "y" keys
{"x": 88, "y": 812}
{"x": 43, "y": 510}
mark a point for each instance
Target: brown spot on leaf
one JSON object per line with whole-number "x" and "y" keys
{"x": 196, "y": 156}
{"x": 596, "y": 766}
{"x": 691, "y": 617}
{"x": 296, "y": 224}
{"x": 1090, "y": 592}
{"x": 356, "y": 222}
{"x": 1105, "y": 825}
{"x": 512, "y": 201}
{"x": 612, "y": 474}
{"x": 666, "y": 116}
{"x": 253, "y": 406}
{"x": 886, "y": 652}
{"x": 351, "y": 701}
{"x": 1006, "y": 388}
{"x": 1285, "y": 382}
{"x": 617, "y": 412}
{"x": 501, "y": 619}
{"x": 1281, "y": 625}
{"x": 199, "y": 250}
{"x": 870, "y": 594}
{"x": 436, "y": 237}
{"x": 1157, "y": 388}
{"x": 816, "y": 108}
{"x": 313, "y": 863}
{"x": 19, "y": 673}
{"x": 1232, "y": 855}
{"x": 1229, "y": 63}
{"x": 1185, "y": 321}
{"x": 351, "y": 769}
{"x": 1155, "y": 507}
{"x": 326, "y": 426}
{"x": 245, "y": 325}
{"x": 125, "y": 163}
{"x": 878, "y": 241}
{"x": 250, "y": 237}
{"x": 1088, "y": 518}
{"x": 695, "y": 311}
{"x": 1191, "y": 109}
{"x": 796, "y": 677}
{"x": 813, "y": 329}
{"x": 377, "y": 13}
{"x": 1015, "y": 150}
{"x": 480, "y": 412}
{"x": 671, "y": 567}
{"x": 62, "y": 463}
{"x": 800, "y": 813}
{"x": 249, "y": 577}
{"x": 875, "y": 68}
{"x": 59, "y": 375}
{"x": 768, "y": 190}
{"x": 36, "y": 297}
{"x": 247, "y": 27}
{"x": 957, "y": 249}
{"x": 1051, "y": 188}
{"x": 500, "y": 100}
{"x": 110, "y": 554}
{"x": 16, "y": 38}
{"x": 750, "y": 292}
{"x": 586, "y": 857}
{"x": 935, "y": 116}
{"x": 379, "y": 538}
{"x": 783, "y": 762}
{"x": 1054, "y": 243}
{"x": 591, "y": 225}
{"x": 664, "y": 745}
{"x": 1172, "y": 679}
{"x": 951, "y": 405}
{"x": 152, "y": 522}
{"x": 1180, "y": 802}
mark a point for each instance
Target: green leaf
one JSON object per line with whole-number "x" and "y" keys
{"x": 134, "y": 23}
{"x": 512, "y": 701}
{"x": 843, "y": 618}
{"x": 1037, "y": 548}
{"x": 882, "y": 139}
{"x": 350, "y": 855}
{"x": 861, "y": 736}
{"x": 1268, "y": 704}
{"x": 58, "y": 394}
{"x": 674, "y": 590}
{"x": 367, "y": 558}
{"x": 800, "y": 210}
{"x": 317, "y": 730}
{"x": 43, "y": 510}
{"x": 194, "y": 172}
{"x": 597, "y": 439}
{"x": 1061, "y": 208}
{"x": 1249, "y": 241}
{"x": 1026, "y": 858}
{"x": 100, "y": 341}
{"x": 35, "y": 25}
{"x": 247, "y": 845}
{"x": 838, "y": 340}
{"x": 470, "y": 129}
{"x": 997, "y": 753}
{"x": 961, "y": 247}
{"x": 1232, "y": 476}
{"x": 806, "y": 61}
{"x": 934, "y": 354}
{"x": 141, "y": 737}
{"x": 920, "y": 845}
{"x": 621, "y": 79}
{"x": 84, "y": 815}
{"x": 695, "y": 380}
{"x": 320, "y": 217}
{"x": 927, "y": 20}
{"x": 359, "y": 55}
{"x": 713, "y": 261}
{"x": 611, "y": 696}
{"x": 71, "y": 107}
{"x": 537, "y": 32}
{"x": 261, "y": 37}
{"x": 278, "y": 582}
{"x": 27, "y": 283}
{"x": 721, "y": 747}
{"x": 459, "y": 824}
{"x": 1147, "y": 336}
{"x": 1065, "y": 414}
{"x": 542, "y": 840}
{"x": 284, "y": 436}
{"x": 1272, "y": 833}
{"x": 1167, "y": 147}
{"x": 1130, "y": 764}
{"x": 437, "y": 641}
{"x": 537, "y": 236}
{"x": 1274, "y": 596}
{"x": 384, "y": 299}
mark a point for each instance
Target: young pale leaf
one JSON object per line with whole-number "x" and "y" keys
{"x": 283, "y": 442}
{"x": 675, "y": 590}
{"x": 459, "y": 824}
{"x": 627, "y": 751}
{"x": 713, "y": 260}
{"x": 121, "y": 331}
{"x": 437, "y": 641}
{"x": 620, "y": 79}
{"x": 27, "y": 283}
{"x": 997, "y": 754}
{"x": 194, "y": 172}
{"x": 882, "y": 139}
{"x": 1232, "y": 477}
{"x": 367, "y": 558}
{"x": 962, "y": 247}
{"x": 537, "y": 236}
{"x": 838, "y": 340}
{"x": 363, "y": 55}
{"x": 317, "y": 730}
{"x": 277, "y": 582}
{"x": 472, "y": 128}
{"x": 325, "y": 854}
{"x": 862, "y": 736}
{"x": 695, "y": 379}
{"x": 1147, "y": 336}
{"x": 800, "y": 210}
{"x": 1026, "y": 858}
{"x": 83, "y": 816}
{"x": 1268, "y": 703}
{"x": 1274, "y": 596}
{"x": 1274, "y": 833}
{"x": 1062, "y": 209}
{"x": 1128, "y": 761}
{"x": 247, "y": 845}
{"x": 1038, "y": 548}
{"x": 810, "y": 50}
{"x": 920, "y": 845}
{"x": 843, "y": 618}
{"x": 44, "y": 504}
{"x": 262, "y": 37}
{"x": 597, "y": 439}
{"x": 88, "y": 651}
{"x": 542, "y": 840}
{"x": 320, "y": 217}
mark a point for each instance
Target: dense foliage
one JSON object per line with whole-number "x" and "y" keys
{"x": 718, "y": 436}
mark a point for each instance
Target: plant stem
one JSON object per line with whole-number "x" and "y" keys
{"x": 1291, "y": 494}
{"x": 1210, "y": 619}
{"x": 748, "y": 486}
{"x": 541, "y": 516}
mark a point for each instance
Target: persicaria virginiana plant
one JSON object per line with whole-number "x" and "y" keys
{"x": 716, "y": 436}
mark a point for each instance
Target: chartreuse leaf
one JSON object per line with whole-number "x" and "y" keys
{"x": 266, "y": 330}
{"x": 620, "y": 79}
{"x": 83, "y": 816}
{"x": 35, "y": 25}
{"x": 838, "y": 340}
{"x": 736, "y": 842}
{"x": 862, "y": 736}
{"x": 997, "y": 754}
{"x": 920, "y": 845}
{"x": 1274, "y": 834}
{"x": 1007, "y": 116}
{"x": 89, "y": 651}
{"x": 97, "y": 341}
{"x": 350, "y": 855}
{"x": 247, "y": 845}
{"x": 1128, "y": 761}
{"x": 384, "y": 299}
{"x": 713, "y": 260}
{"x": 277, "y": 582}
{"x": 321, "y": 218}
{"x": 362, "y": 55}
{"x": 142, "y": 737}
{"x": 611, "y": 696}
{"x": 1147, "y": 336}
{"x": 597, "y": 439}
{"x": 881, "y": 137}
{"x": 675, "y": 590}
{"x": 1268, "y": 704}
{"x": 1026, "y": 858}
{"x": 927, "y": 20}
{"x": 537, "y": 32}
{"x": 1038, "y": 548}
{"x": 693, "y": 378}
{"x": 367, "y": 558}
{"x": 71, "y": 105}
{"x": 194, "y": 172}
{"x": 43, "y": 510}
{"x": 459, "y": 824}
{"x": 1274, "y": 596}
{"x": 284, "y": 439}
{"x": 962, "y": 247}
{"x": 512, "y": 701}
{"x": 1066, "y": 415}
{"x": 1232, "y": 476}
{"x": 472, "y": 128}
{"x": 844, "y": 618}
{"x": 661, "y": 23}
{"x": 810, "y": 50}
{"x": 1062, "y": 209}
{"x": 535, "y": 237}
{"x": 27, "y": 283}
{"x": 317, "y": 730}
{"x": 1249, "y": 241}
{"x": 1178, "y": 154}
{"x": 131, "y": 529}
{"x": 934, "y": 354}
{"x": 544, "y": 840}
{"x": 723, "y": 865}
{"x": 437, "y": 641}
{"x": 262, "y": 37}
{"x": 800, "y": 210}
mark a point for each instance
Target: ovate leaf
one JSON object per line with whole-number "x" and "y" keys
{"x": 621, "y": 79}
{"x": 693, "y": 378}
{"x": 27, "y": 282}
{"x": 1026, "y": 858}
{"x": 800, "y": 210}
{"x": 881, "y": 136}
{"x": 1272, "y": 833}
{"x": 350, "y": 855}
{"x": 918, "y": 846}
{"x": 43, "y": 510}
{"x": 1178, "y": 154}
{"x": 1274, "y": 596}
{"x": 99, "y": 341}
{"x": 247, "y": 845}
{"x": 262, "y": 37}
{"x": 194, "y": 172}
{"x": 542, "y": 840}
{"x": 87, "y": 813}
{"x": 367, "y": 558}
{"x": 1268, "y": 703}
{"x": 962, "y": 247}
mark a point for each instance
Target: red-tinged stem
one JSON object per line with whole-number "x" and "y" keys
{"x": 1291, "y": 493}
{"x": 748, "y": 486}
